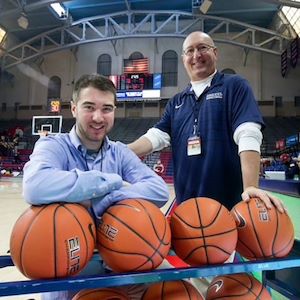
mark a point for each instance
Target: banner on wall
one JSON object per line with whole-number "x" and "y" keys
{"x": 294, "y": 47}
{"x": 284, "y": 64}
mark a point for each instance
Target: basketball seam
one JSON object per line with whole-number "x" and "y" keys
{"x": 89, "y": 292}
{"x": 196, "y": 227}
{"x": 55, "y": 242}
{"x": 149, "y": 259}
{"x": 204, "y": 238}
{"x": 134, "y": 231}
{"x": 205, "y": 247}
{"x": 287, "y": 246}
{"x": 202, "y": 232}
{"x": 255, "y": 231}
{"x": 207, "y": 236}
{"x": 154, "y": 228}
{"x": 25, "y": 236}
{"x": 145, "y": 209}
{"x": 242, "y": 283}
{"x": 186, "y": 287}
{"x": 155, "y": 250}
{"x": 276, "y": 233}
{"x": 249, "y": 249}
{"x": 82, "y": 230}
{"x": 291, "y": 241}
{"x": 163, "y": 287}
{"x": 260, "y": 292}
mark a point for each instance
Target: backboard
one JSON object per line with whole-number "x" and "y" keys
{"x": 45, "y": 125}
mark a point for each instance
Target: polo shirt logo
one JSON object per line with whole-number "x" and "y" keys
{"x": 211, "y": 96}
{"x": 178, "y": 106}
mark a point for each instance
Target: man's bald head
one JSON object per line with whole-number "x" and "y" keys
{"x": 198, "y": 35}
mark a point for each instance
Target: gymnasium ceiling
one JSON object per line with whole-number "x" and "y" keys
{"x": 41, "y": 19}
{"x": 254, "y": 12}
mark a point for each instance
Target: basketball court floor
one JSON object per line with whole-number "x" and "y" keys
{"x": 12, "y": 206}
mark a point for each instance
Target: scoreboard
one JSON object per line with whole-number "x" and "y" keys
{"x": 126, "y": 82}
{"x": 137, "y": 85}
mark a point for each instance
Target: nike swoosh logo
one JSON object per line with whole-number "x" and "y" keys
{"x": 217, "y": 285}
{"x": 177, "y": 106}
{"x": 240, "y": 219}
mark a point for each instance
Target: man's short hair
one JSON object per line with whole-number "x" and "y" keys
{"x": 96, "y": 81}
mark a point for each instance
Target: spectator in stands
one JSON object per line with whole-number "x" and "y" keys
{"x": 158, "y": 167}
{"x": 291, "y": 167}
{"x": 85, "y": 164}
{"x": 3, "y": 146}
{"x": 214, "y": 128}
{"x": 15, "y": 150}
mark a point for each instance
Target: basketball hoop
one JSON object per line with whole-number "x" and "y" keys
{"x": 46, "y": 125}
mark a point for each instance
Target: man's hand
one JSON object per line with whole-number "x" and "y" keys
{"x": 266, "y": 197}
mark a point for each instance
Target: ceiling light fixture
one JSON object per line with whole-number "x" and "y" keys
{"x": 23, "y": 21}
{"x": 205, "y": 5}
{"x": 59, "y": 10}
{"x": 2, "y": 34}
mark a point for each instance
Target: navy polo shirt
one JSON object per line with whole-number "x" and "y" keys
{"x": 216, "y": 172}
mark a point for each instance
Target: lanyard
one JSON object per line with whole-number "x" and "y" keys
{"x": 196, "y": 109}
{"x": 87, "y": 164}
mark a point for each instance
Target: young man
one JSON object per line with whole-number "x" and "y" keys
{"x": 84, "y": 166}
{"x": 214, "y": 129}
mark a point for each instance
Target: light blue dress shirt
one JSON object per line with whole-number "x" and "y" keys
{"x": 60, "y": 169}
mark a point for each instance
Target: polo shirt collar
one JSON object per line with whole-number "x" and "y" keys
{"x": 217, "y": 79}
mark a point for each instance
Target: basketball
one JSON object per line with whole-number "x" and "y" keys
{"x": 237, "y": 286}
{"x": 203, "y": 232}
{"x": 133, "y": 235}
{"x": 175, "y": 290}
{"x": 103, "y": 294}
{"x": 262, "y": 232}
{"x": 52, "y": 241}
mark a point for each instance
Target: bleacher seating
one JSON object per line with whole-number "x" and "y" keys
{"x": 166, "y": 159}
{"x": 127, "y": 130}
{"x": 151, "y": 159}
{"x": 276, "y": 129}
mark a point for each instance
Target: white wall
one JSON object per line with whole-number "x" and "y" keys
{"x": 262, "y": 70}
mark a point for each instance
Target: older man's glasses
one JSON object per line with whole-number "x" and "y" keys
{"x": 201, "y": 48}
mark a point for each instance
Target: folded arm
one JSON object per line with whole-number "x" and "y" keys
{"x": 144, "y": 184}
{"x": 46, "y": 178}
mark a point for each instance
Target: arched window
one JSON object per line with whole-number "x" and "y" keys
{"x": 136, "y": 55}
{"x": 169, "y": 68}
{"x": 228, "y": 71}
{"x": 54, "y": 87}
{"x": 104, "y": 65}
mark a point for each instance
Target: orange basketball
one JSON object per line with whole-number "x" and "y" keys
{"x": 175, "y": 290}
{"x": 262, "y": 232}
{"x": 133, "y": 235}
{"x": 51, "y": 241}
{"x": 203, "y": 232}
{"x": 237, "y": 286}
{"x": 103, "y": 294}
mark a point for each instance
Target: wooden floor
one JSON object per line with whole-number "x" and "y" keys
{"x": 11, "y": 206}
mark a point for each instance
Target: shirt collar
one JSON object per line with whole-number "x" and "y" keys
{"x": 78, "y": 145}
{"x": 217, "y": 79}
